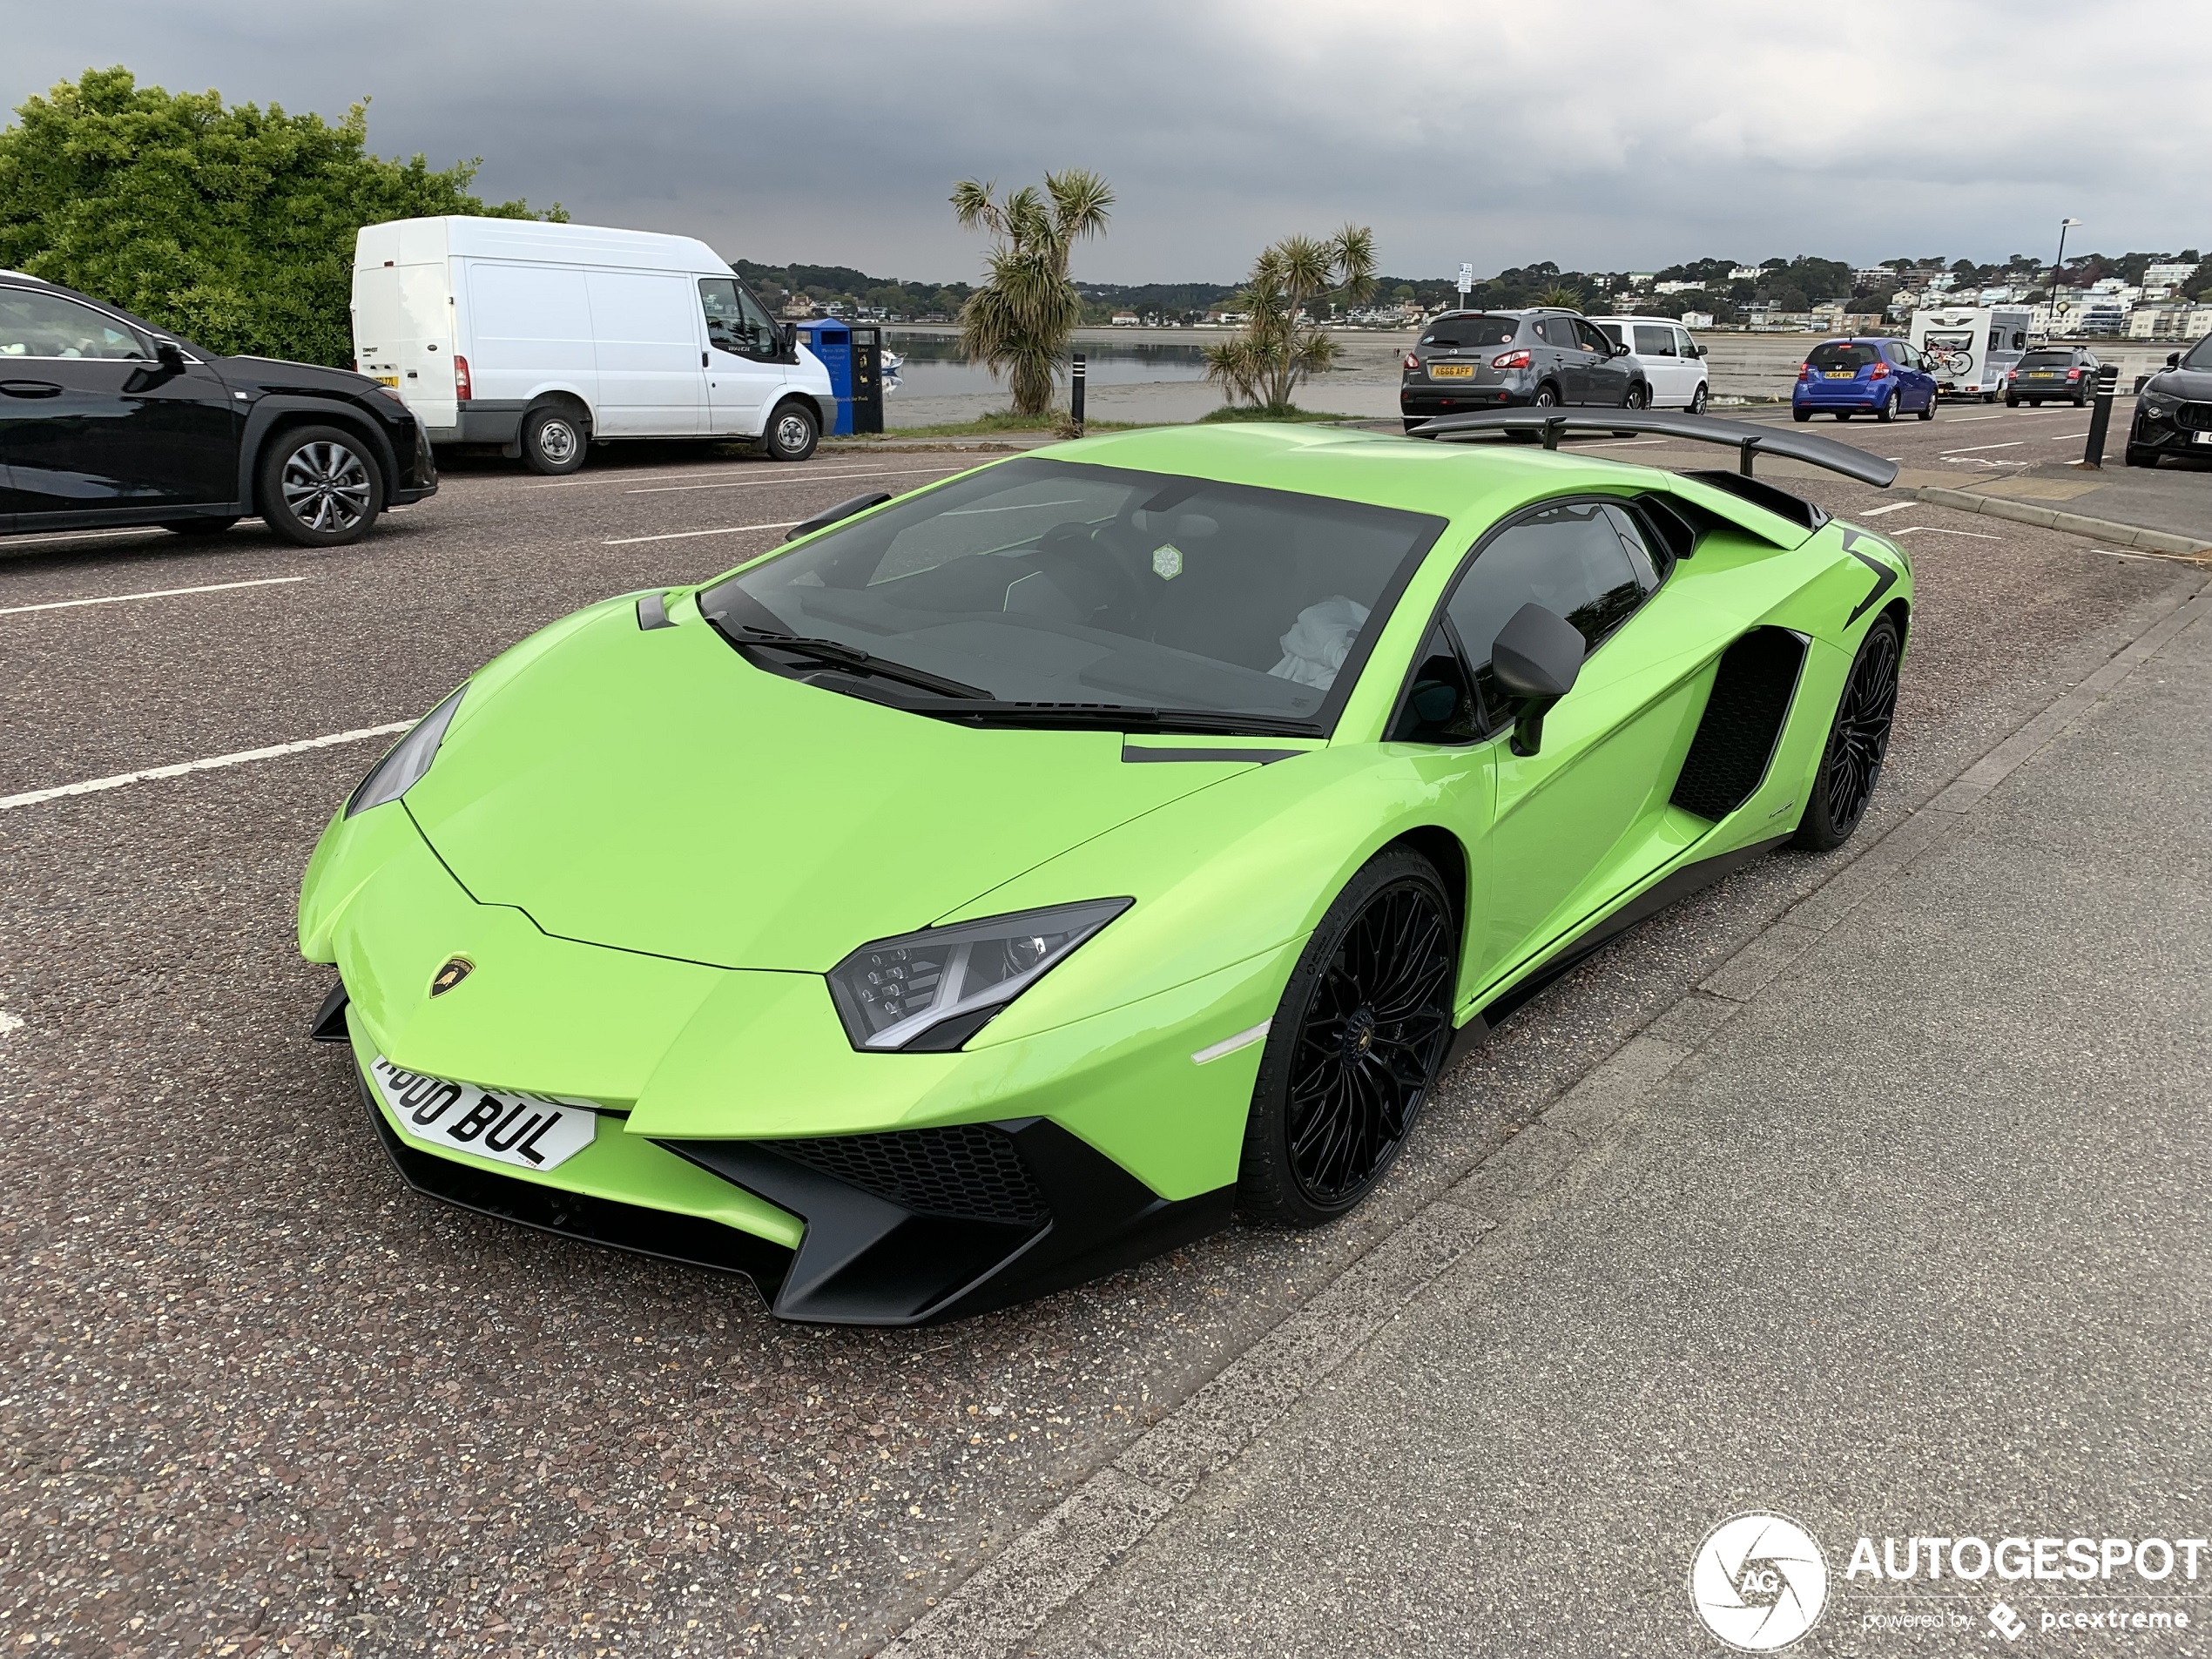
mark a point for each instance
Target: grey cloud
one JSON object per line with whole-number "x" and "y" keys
{"x": 1599, "y": 135}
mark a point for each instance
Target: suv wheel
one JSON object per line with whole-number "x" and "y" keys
{"x": 553, "y": 440}
{"x": 319, "y": 487}
{"x": 1546, "y": 397}
{"x": 793, "y": 432}
{"x": 1697, "y": 401}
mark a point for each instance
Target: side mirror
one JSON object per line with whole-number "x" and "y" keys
{"x": 789, "y": 332}
{"x": 1619, "y": 351}
{"x": 1536, "y": 658}
{"x": 1699, "y": 350}
{"x": 169, "y": 356}
{"x": 2172, "y": 360}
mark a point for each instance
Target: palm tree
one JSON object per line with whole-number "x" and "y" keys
{"x": 1280, "y": 346}
{"x": 1562, "y": 297}
{"x": 1017, "y": 324}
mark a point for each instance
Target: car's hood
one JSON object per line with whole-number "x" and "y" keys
{"x": 655, "y": 791}
{"x": 2182, "y": 382}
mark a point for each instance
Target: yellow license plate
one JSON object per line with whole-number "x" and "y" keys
{"x": 1451, "y": 371}
{"x": 1840, "y": 374}
{"x": 392, "y": 380}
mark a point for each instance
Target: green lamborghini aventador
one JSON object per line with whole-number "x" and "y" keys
{"x": 995, "y": 886}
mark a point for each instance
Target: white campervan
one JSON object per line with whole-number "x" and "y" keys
{"x": 545, "y": 338}
{"x": 1969, "y": 347}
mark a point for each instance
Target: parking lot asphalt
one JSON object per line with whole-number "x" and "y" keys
{"x": 259, "y": 1394}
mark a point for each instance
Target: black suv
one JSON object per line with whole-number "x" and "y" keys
{"x": 1468, "y": 360}
{"x": 2174, "y": 410}
{"x": 105, "y": 420}
{"x": 2069, "y": 372}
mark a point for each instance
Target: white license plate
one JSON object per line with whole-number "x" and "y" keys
{"x": 530, "y": 1131}
{"x": 2200, "y": 437}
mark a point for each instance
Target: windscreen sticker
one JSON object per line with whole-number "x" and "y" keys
{"x": 1167, "y": 561}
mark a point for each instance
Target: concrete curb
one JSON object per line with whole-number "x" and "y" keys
{"x": 1061, "y": 1555}
{"x": 2097, "y": 529}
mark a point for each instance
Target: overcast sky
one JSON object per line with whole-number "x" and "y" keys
{"x": 1604, "y": 136}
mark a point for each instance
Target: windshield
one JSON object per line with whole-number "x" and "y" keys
{"x": 1039, "y": 582}
{"x": 1841, "y": 354}
{"x": 2047, "y": 359}
{"x": 2202, "y": 356}
{"x": 1473, "y": 331}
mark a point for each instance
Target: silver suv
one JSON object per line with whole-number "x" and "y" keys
{"x": 1468, "y": 360}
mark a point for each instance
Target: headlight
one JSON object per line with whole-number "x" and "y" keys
{"x": 931, "y": 991}
{"x": 403, "y": 765}
{"x": 2153, "y": 405}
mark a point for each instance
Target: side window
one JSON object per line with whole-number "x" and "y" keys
{"x": 1556, "y": 331}
{"x": 1655, "y": 342}
{"x": 1585, "y": 561}
{"x": 1685, "y": 344}
{"x": 1590, "y": 339}
{"x": 1611, "y": 331}
{"x": 1440, "y": 707}
{"x": 45, "y": 325}
{"x": 735, "y": 320}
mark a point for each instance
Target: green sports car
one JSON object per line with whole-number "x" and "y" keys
{"x": 991, "y": 887}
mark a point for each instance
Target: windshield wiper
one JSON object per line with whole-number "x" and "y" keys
{"x": 837, "y": 654}
{"x": 1116, "y": 716}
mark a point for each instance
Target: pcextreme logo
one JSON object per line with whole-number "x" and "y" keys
{"x": 1758, "y": 1582}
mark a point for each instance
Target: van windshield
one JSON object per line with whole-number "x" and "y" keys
{"x": 1036, "y": 590}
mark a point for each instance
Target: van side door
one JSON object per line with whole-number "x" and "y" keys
{"x": 744, "y": 357}
{"x": 645, "y": 330}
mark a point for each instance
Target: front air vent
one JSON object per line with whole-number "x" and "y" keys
{"x": 969, "y": 1171}
{"x": 1735, "y": 741}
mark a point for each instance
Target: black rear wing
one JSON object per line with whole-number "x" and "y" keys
{"x": 1747, "y": 439}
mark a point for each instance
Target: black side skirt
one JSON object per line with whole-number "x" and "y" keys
{"x": 1691, "y": 878}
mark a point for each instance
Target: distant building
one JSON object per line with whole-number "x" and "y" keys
{"x": 2169, "y": 322}
{"x": 1127, "y": 320}
{"x": 1641, "y": 279}
{"x": 1746, "y": 273}
{"x": 1676, "y": 287}
{"x": 2169, "y": 276}
{"x": 1874, "y": 276}
{"x": 1827, "y": 319}
{"x": 1697, "y": 320}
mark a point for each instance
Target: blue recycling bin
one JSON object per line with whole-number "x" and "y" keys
{"x": 832, "y": 341}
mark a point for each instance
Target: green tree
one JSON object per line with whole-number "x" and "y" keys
{"x": 1278, "y": 346}
{"x": 1018, "y": 323}
{"x": 233, "y": 226}
{"x": 1565, "y": 298}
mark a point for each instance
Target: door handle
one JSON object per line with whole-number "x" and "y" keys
{"x": 31, "y": 388}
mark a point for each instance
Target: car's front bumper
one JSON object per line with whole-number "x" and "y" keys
{"x": 733, "y": 1103}
{"x": 2184, "y": 429}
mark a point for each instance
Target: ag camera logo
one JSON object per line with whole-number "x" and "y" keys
{"x": 1758, "y": 1582}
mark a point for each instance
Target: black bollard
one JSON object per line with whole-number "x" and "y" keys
{"x": 1075, "y": 392}
{"x": 2092, "y": 454}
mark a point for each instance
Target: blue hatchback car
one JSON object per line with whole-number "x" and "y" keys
{"x": 1883, "y": 378}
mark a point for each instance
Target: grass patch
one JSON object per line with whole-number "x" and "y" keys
{"x": 1285, "y": 412}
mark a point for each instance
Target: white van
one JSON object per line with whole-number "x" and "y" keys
{"x": 1674, "y": 364}
{"x": 546, "y": 338}
{"x": 1969, "y": 347}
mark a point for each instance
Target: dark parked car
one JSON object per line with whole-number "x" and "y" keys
{"x": 2069, "y": 372}
{"x": 105, "y": 420}
{"x": 1468, "y": 360}
{"x": 2174, "y": 410}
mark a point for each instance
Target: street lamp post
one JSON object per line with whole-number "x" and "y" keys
{"x": 2058, "y": 265}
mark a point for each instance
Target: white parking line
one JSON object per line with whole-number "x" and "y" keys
{"x": 1894, "y": 507}
{"x": 678, "y": 536}
{"x": 1970, "y": 448}
{"x": 1937, "y": 530}
{"x": 755, "y": 483}
{"x": 92, "y": 785}
{"x": 152, "y": 593}
{"x": 1963, "y": 418}
{"x": 2067, "y": 437}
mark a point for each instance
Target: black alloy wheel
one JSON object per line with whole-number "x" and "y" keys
{"x": 1857, "y": 742}
{"x": 1354, "y": 1048}
{"x": 1639, "y": 397}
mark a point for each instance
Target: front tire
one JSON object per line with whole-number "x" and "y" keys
{"x": 793, "y": 432}
{"x": 1927, "y": 411}
{"x": 1857, "y": 742}
{"x": 2138, "y": 456}
{"x": 1697, "y": 401}
{"x": 554, "y": 441}
{"x": 319, "y": 487}
{"x": 1354, "y": 1048}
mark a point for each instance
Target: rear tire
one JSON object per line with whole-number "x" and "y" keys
{"x": 1801, "y": 414}
{"x": 2012, "y": 402}
{"x": 1887, "y": 412}
{"x": 1354, "y": 1048}
{"x": 1843, "y": 415}
{"x": 553, "y": 439}
{"x": 1857, "y": 742}
{"x": 318, "y": 486}
{"x": 2082, "y": 399}
{"x": 793, "y": 432}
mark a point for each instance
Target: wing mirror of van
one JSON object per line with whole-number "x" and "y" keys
{"x": 787, "y": 336}
{"x": 1536, "y": 658}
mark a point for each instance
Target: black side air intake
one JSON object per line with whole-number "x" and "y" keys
{"x": 1734, "y": 742}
